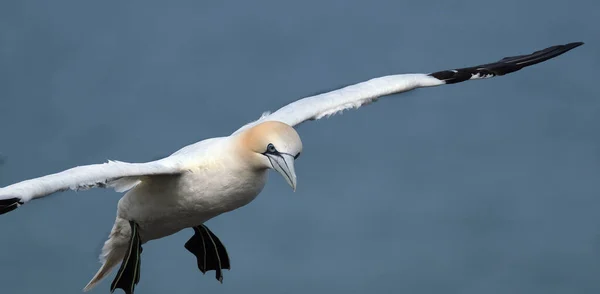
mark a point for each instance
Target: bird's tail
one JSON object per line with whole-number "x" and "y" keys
{"x": 113, "y": 251}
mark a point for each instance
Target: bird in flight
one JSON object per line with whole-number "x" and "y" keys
{"x": 217, "y": 175}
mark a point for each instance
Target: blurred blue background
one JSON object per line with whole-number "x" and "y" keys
{"x": 484, "y": 187}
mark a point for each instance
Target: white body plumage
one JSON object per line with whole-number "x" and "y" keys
{"x": 218, "y": 182}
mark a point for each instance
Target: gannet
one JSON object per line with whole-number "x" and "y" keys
{"x": 217, "y": 175}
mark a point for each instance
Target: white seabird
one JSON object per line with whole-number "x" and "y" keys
{"x": 217, "y": 175}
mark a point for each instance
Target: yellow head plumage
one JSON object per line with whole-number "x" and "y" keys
{"x": 272, "y": 144}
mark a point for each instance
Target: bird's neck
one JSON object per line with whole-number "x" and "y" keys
{"x": 244, "y": 156}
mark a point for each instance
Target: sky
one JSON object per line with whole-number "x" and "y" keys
{"x": 481, "y": 187}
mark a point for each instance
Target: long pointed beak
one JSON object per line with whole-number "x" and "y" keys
{"x": 284, "y": 164}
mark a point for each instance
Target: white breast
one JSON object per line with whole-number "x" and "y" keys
{"x": 163, "y": 205}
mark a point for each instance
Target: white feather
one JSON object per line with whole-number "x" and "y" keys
{"x": 353, "y": 96}
{"x": 90, "y": 176}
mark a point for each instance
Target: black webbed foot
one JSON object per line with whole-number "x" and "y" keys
{"x": 129, "y": 273}
{"x": 209, "y": 251}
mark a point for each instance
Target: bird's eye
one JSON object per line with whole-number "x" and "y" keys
{"x": 271, "y": 148}
{"x": 297, "y": 155}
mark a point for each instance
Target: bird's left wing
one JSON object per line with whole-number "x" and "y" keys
{"x": 113, "y": 174}
{"x": 357, "y": 95}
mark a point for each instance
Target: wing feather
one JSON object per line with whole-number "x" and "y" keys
{"x": 113, "y": 174}
{"x": 357, "y": 95}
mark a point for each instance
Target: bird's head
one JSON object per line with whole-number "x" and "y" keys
{"x": 274, "y": 145}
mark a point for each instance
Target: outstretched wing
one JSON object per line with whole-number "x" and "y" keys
{"x": 357, "y": 95}
{"x": 113, "y": 174}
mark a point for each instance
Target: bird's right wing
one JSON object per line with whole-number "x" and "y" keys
{"x": 357, "y": 95}
{"x": 113, "y": 174}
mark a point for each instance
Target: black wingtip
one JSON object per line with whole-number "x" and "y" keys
{"x": 574, "y": 45}
{"x": 568, "y": 47}
{"x": 541, "y": 55}
{"x": 504, "y": 66}
{"x": 8, "y": 205}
